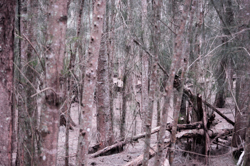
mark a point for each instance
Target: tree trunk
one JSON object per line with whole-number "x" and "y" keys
{"x": 27, "y": 108}
{"x": 145, "y": 66}
{"x": 175, "y": 65}
{"x": 243, "y": 80}
{"x": 247, "y": 144}
{"x": 110, "y": 50}
{"x": 220, "y": 79}
{"x": 146, "y": 111}
{"x": 70, "y": 81}
{"x": 90, "y": 82}
{"x": 124, "y": 106}
{"x": 7, "y": 21}
{"x": 54, "y": 80}
{"x": 104, "y": 125}
{"x": 224, "y": 69}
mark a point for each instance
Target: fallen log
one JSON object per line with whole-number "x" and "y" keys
{"x": 108, "y": 149}
{"x": 185, "y": 133}
{"x": 138, "y": 161}
{"x": 121, "y": 143}
{"x": 211, "y": 132}
{"x": 94, "y": 148}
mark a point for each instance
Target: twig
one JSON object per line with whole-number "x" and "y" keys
{"x": 49, "y": 88}
{"x": 139, "y": 44}
{"x": 25, "y": 76}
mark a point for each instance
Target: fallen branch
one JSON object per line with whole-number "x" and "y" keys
{"x": 185, "y": 133}
{"x": 189, "y": 94}
{"x": 196, "y": 132}
{"x": 138, "y": 161}
{"x": 94, "y": 148}
{"x": 218, "y": 112}
{"x": 121, "y": 143}
{"x": 108, "y": 149}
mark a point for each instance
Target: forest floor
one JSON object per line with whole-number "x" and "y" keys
{"x": 221, "y": 156}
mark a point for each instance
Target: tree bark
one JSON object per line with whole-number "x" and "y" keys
{"x": 242, "y": 80}
{"x": 124, "y": 104}
{"x": 247, "y": 144}
{"x": 27, "y": 108}
{"x": 110, "y": 50}
{"x": 104, "y": 125}
{"x": 146, "y": 104}
{"x": 90, "y": 82}
{"x": 7, "y": 21}
{"x": 145, "y": 66}
{"x": 175, "y": 65}
{"x": 54, "y": 81}
{"x": 224, "y": 69}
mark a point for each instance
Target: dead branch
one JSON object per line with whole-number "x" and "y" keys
{"x": 108, "y": 149}
{"x": 197, "y": 132}
{"x": 189, "y": 94}
{"x": 185, "y": 133}
{"x": 138, "y": 161}
{"x": 121, "y": 143}
{"x": 218, "y": 112}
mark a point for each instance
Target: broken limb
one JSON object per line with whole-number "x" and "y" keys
{"x": 218, "y": 112}
{"x": 152, "y": 152}
{"x": 185, "y": 133}
{"x": 190, "y": 95}
{"x": 121, "y": 143}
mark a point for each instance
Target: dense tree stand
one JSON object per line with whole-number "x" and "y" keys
{"x": 81, "y": 80}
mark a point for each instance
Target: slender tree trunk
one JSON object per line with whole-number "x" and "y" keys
{"x": 145, "y": 66}
{"x": 179, "y": 50}
{"x": 157, "y": 5}
{"x": 126, "y": 78}
{"x": 7, "y": 22}
{"x": 103, "y": 97}
{"x": 176, "y": 62}
{"x": 27, "y": 110}
{"x": 153, "y": 78}
{"x": 55, "y": 92}
{"x": 146, "y": 111}
{"x": 110, "y": 50}
{"x": 70, "y": 81}
{"x": 242, "y": 100}
{"x": 247, "y": 144}
{"x": 90, "y": 82}
{"x": 124, "y": 106}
